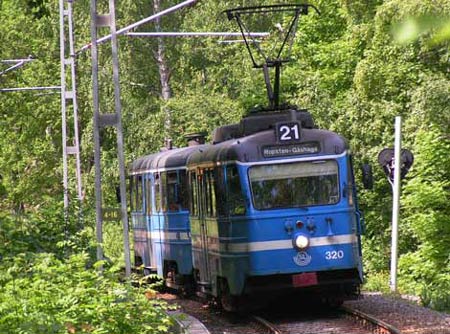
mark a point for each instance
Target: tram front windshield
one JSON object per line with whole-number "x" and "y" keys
{"x": 293, "y": 185}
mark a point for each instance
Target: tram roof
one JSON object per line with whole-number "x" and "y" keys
{"x": 249, "y": 148}
{"x": 168, "y": 159}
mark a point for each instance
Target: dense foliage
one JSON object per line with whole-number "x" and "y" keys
{"x": 41, "y": 295}
{"x": 349, "y": 70}
{"x": 51, "y": 284}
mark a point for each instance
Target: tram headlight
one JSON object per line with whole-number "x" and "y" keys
{"x": 301, "y": 241}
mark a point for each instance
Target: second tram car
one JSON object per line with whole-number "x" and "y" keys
{"x": 160, "y": 216}
{"x": 268, "y": 208}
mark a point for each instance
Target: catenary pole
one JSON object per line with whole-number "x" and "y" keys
{"x": 96, "y": 107}
{"x": 105, "y": 119}
{"x": 75, "y": 149}
{"x": 63, "y": 112}
{"x": 119, "y": 137}
{"x": 396, "y": 202}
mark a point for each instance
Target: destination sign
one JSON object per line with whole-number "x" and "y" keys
{"x": 289, "y": 150}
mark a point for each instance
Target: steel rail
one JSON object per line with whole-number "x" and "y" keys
{"x": 266, "y": 324}
{"x": 374, "y": 321}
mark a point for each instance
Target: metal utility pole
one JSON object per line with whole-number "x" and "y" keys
{"x": 396, "y": 201}
{"x": 69, "y": 98}
{"x": 102, "y": 120}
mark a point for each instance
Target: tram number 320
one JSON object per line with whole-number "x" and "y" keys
{"x": 334, "y": 255}
{"x": 288, "y": 131}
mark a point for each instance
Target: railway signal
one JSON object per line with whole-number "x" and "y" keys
{"x": 387, "y": 159}
{"x": 387, "y": 162}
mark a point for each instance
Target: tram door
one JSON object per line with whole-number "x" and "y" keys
{"x": 157, "y": 221}
{"x": 199, "y": 230}
{"x": 142, "y": 242}
{"x": 148, "y": 201}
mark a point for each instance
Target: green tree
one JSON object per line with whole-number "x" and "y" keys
{"x": 425, "y": 267}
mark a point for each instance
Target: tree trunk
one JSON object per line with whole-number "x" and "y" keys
{"x": 164, "y": 75}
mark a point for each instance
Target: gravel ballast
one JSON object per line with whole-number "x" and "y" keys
{"x": 403, "y": 314}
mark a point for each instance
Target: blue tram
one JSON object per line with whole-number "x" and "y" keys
{"x": 160, "y": 216}
{"x": 268, "y": 208}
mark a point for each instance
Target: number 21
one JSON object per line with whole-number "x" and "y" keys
{"x": 289, "y": 133}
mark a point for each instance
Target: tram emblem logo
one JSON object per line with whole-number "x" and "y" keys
{"x": 302, "y": 259}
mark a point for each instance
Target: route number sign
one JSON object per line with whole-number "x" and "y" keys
{"x": 288, "y": 131}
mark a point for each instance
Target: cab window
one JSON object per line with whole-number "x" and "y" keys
{"x": 294, "y": 184}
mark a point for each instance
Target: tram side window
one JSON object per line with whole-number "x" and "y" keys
{"x": 163, "y": 190}
{"x": 193, "y": 193}
{"x": 172, "y": 192}
{"x": 213, "y": 193}
{"x": 131, "y": 192}
{"x": 157, "y": 193}
{"x": 236, "y": 202}
{"x": 137, "y": 189}
{"x": 210, "y": 193}
{"x": 148, "y": 195}
{"x": 183, "y": 192}
{"x": 220, "y": 191}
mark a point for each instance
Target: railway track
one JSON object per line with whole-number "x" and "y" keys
{"x": 265, "y": 325}
{"x": 379, "y": 326}
{"x": 288, "y": 319}
{"x": 343, "y": 320}
{"x": 293, "y": 316}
